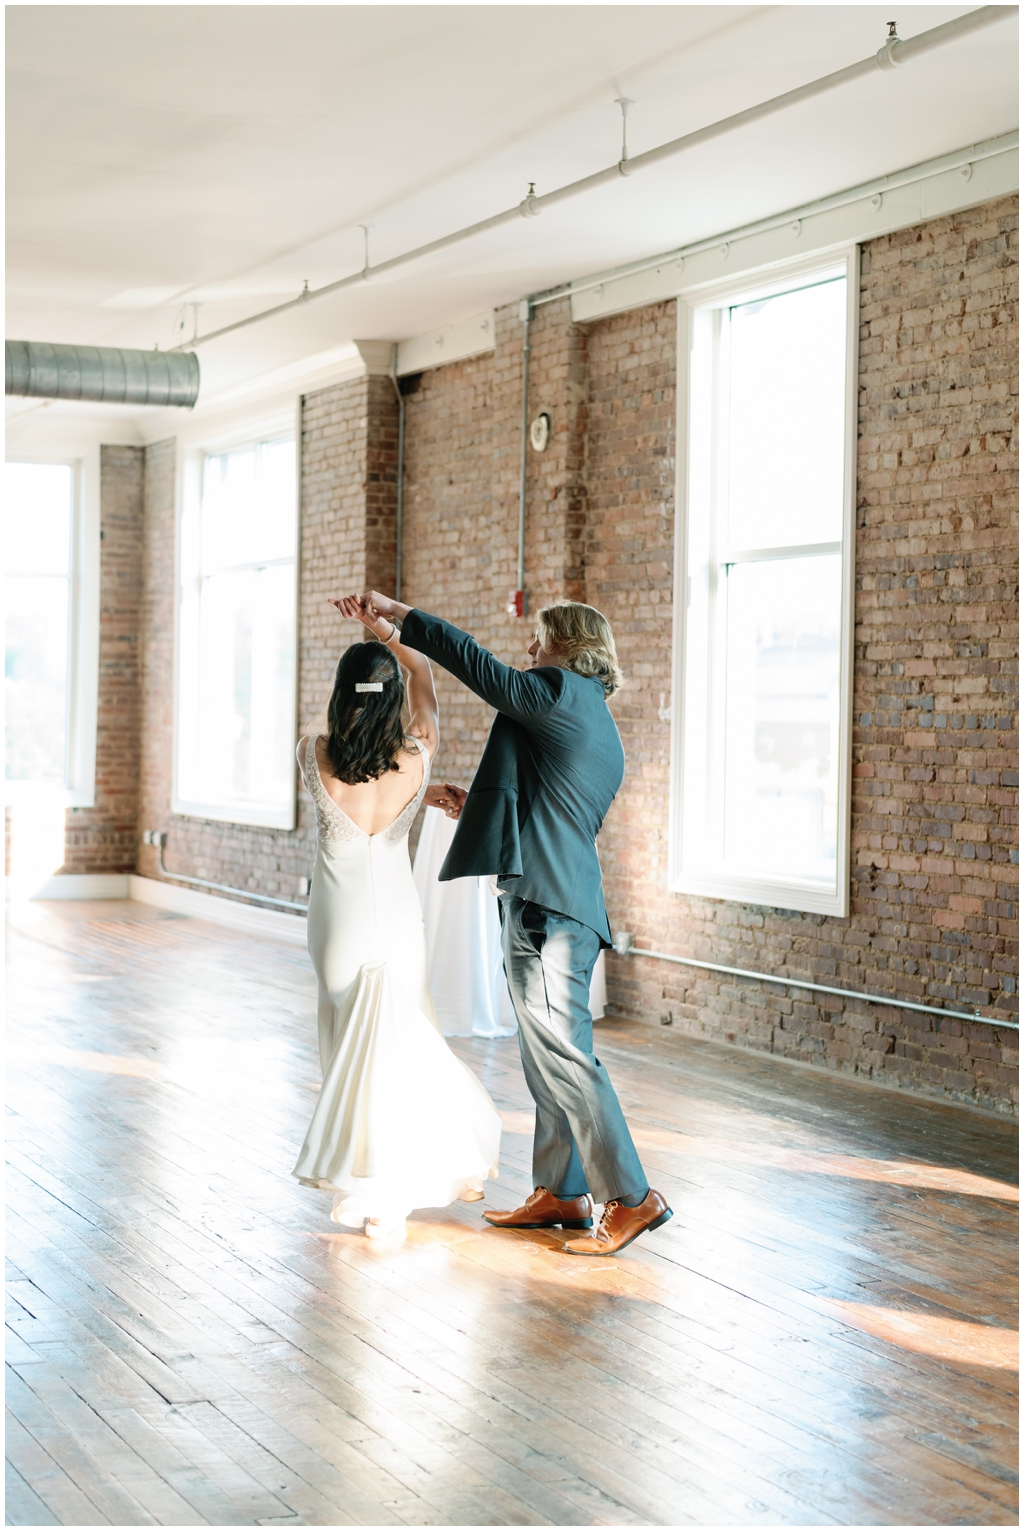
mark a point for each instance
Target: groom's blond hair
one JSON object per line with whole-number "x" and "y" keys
{"x": 582, "y": 638}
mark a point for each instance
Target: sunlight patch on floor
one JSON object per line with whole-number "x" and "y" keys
{"x": 96, "y": 1063}
{"x": 924, "y": 1177}
{"x": 519, "y": 1123}
{"x": 534, "y": 1255}
{"x": 930, "y": 1334}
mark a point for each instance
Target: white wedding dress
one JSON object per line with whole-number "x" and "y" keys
{"x": 400, "y": 1122}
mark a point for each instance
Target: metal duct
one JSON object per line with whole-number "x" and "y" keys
{"x": 102, "y": 374}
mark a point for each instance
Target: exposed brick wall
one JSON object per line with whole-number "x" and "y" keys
{"x": 932, "y": 907}
{"x": 611, "y": 392}
{"x": 463, "y": 435}
{"x": 349, "y": 463}
{"x": 556, "y": 478}
{"x": 935, "y": 745}
{"x": 631, "y": 475}
{"x": 103, "y": 838}
{"x": 459, "y": 543}
{"x": 157, "y": 646}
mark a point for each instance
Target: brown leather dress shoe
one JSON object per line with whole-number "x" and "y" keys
{"x": 542, "y": 1210}
{"x": 621, "y": 1225}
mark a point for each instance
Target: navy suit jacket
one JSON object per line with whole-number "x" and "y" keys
{"x": 552, "y": 764}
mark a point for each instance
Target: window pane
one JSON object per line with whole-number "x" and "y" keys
{"x": 36, "y": 678}
{"x": 782, "y": 717}
{"x": 248, "y": 511}
{"x": 37, "y": 517}
{"x": 246, "y": 712}
{"x": 787, "y": 431}
{"x": 236, "y": 636}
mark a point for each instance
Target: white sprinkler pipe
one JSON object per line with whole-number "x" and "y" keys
{"x": 625, "y": 948}
{"x": 893, "y": 53}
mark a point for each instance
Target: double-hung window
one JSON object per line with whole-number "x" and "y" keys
{"x": 236, "y": 634}
{"x": 761, "y": 746}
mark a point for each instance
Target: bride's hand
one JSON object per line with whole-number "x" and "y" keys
{"x": 448, "y": 798}
{"x": 354, "y": 607}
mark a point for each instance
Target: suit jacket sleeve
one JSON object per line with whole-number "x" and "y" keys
{"x": 525, "y": 695}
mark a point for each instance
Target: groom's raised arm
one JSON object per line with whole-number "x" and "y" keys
{"x": 526, "y": 695}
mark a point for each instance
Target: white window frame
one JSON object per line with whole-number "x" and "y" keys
{"x": 693, "y": 500}
{"x": 191, "y": 456}
{"x": 79, "y": 790}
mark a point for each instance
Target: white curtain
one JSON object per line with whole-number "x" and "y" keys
{"x": 463, "y": 934}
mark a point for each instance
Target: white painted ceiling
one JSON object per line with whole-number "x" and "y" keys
{"x": 223, "y": 154}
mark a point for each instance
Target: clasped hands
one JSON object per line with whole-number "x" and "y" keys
{"x": 450, "y": 799}
{"x": 368, "y": 609}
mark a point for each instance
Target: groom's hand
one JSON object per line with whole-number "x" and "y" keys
{"x": 379, "y": 605}
{"x": 457, "y": 798}
{"x": 448, "y": 798}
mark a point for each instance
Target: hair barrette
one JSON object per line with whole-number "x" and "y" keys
{"x": 369, "y": 685}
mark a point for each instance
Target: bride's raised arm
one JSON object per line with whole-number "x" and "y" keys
{"x": 423, "y": 721}
{"x": 300, "y": 755}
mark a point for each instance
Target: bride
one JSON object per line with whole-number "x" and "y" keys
{"x": 400, "y": 1122}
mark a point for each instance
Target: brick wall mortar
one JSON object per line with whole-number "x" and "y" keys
{"x": 102, "y": 839}
{"x": 459, "y": 545}
{"x": 463, "y": 438}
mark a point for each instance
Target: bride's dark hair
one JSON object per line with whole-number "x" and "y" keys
{"x": 364, "y": 728}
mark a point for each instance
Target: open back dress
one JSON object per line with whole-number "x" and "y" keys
{"x": 401, "y": 1122}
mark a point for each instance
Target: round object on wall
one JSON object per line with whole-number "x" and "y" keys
{"x": 540, "y": 432}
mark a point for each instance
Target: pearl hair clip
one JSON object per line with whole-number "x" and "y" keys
{"x": 369, "y": 685}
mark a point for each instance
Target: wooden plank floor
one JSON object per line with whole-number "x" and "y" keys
{"x": 824, "y": 1335}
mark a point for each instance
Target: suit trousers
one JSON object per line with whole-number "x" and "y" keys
{"x": 581, "y": 1141}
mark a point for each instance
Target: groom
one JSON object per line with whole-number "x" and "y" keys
{"x": 551, "y": 767}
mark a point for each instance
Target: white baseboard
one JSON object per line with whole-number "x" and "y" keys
{"x": 73, "y": 885}
{"x": 222, "y": 911}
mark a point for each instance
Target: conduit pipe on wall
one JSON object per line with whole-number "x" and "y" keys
{"x": 893, "y": 53}
{"x": 625, "y": 948}
{"x": 158, "y": 837}
{"x": 960, "y": 159}
{"x": 101, "y": 374}
{"x": 517, "y": 605}
{"x": 400, "y": 477}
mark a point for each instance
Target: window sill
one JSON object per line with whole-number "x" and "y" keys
{"x": 805, "y": 897}
{"x": 34, "y": 791}
{"x": 255, "y": 815}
